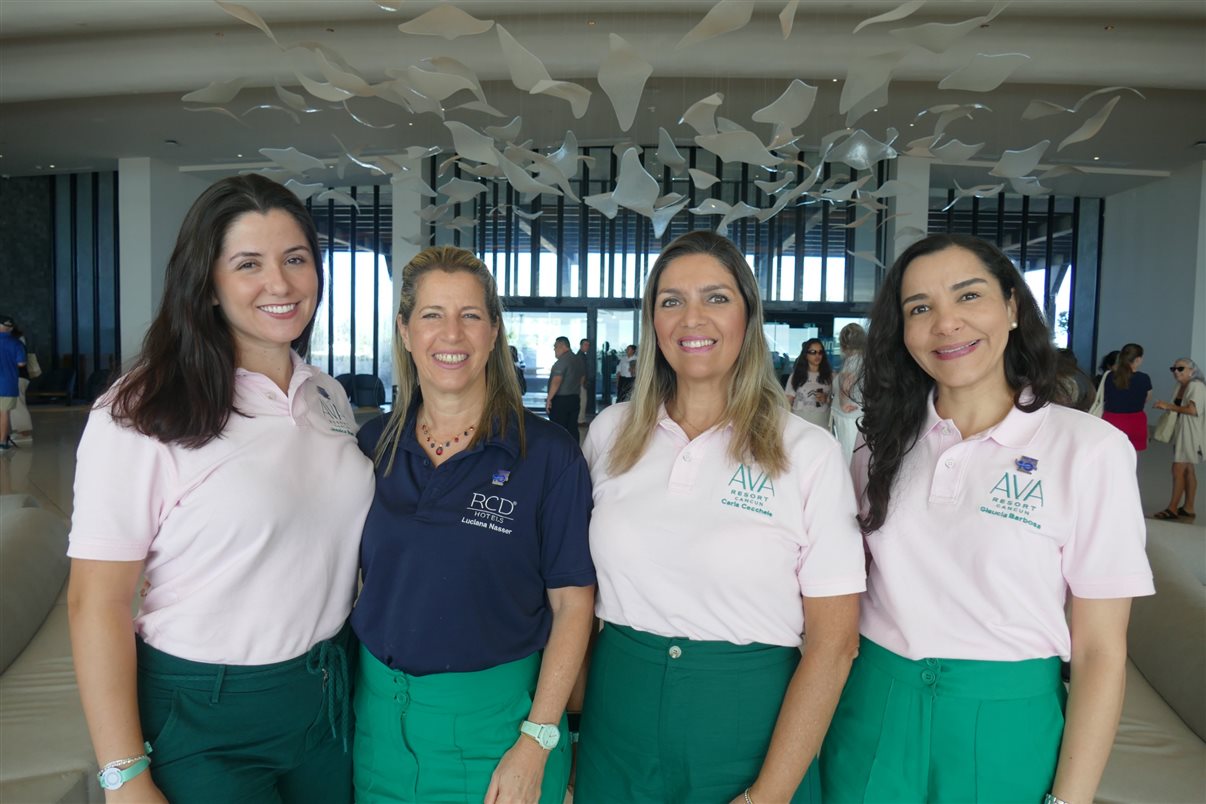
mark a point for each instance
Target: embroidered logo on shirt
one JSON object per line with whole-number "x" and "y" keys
{"x": 750, "y": 489}
{"x": 490, "y": 511}
{"x": 1016, "y": 497}
{"x": 332, "y": 413}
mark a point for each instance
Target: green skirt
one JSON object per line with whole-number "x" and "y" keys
{"x": 438, "y": 738}
{"x": 944, "y": 730}
{"x": 676, "y": 720}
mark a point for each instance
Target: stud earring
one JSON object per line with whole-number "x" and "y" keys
{"x": 1013, "y": 324}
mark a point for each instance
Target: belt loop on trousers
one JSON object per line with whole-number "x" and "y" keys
{"x": 330, "y": 661}
{"x": 218, "y": 679}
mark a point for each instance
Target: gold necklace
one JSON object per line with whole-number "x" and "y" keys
{"x": 436, "y": 447}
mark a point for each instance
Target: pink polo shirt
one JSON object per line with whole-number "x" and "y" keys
{"x": 251, "y": 542}
{"x": 689, "y": 543}
{"x": 985, "y": 536}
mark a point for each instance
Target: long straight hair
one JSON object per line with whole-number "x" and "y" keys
{"x": 1123, "y": 372}
{"x": 896, "y": 391}
{"x": 799, "y": 373}
{"x": 181, "y": 390}
{"x": 756, "y": 401}
{"x": 504, "y": 402}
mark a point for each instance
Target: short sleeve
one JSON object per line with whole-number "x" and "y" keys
{"x": 787, "y": 387}
{"x": 1106, "y": 555}
{"x": 833, "y": 562}
{"x": 565, "y": 525}
{"x": 558, "y": 369}
{"x": 1145, "y": 382}
{"x": 122, "y": 483}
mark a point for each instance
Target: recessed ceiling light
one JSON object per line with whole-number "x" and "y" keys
{"x": 590, "y": 22}
{"x": 835, "y": 80}
{"x": 875, "y": 110}
{"x": 238, "y": 156}
{"x": 1096, "y": 158}
{"x": 52, "y": 167}
{"x": 410, "y": 124}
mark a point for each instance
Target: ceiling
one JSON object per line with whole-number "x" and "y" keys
{"x": 84, "y": 83}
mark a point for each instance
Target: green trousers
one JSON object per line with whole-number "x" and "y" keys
{"x": 944, "y": 730}
{"x": 438, "y": 738}
{"x": 249, "y": 734}
{"x": 672, "y": 720}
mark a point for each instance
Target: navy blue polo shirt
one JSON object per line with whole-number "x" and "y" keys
{"x": 456, "y": 559}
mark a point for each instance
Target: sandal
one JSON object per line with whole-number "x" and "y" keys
{"x": 1183, "y": 514}
{"x": 1167, "y": 513}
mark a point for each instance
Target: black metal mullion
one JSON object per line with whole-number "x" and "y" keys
{"x": 96, "y": 278}
{"x": 330, "y": 286}
{"x": 1049, "y": 302}
{"x": 354, "y": 220}
{"x": 535, "y": 226}
{"x": 73, "y": 218}
{"x": 117, "y": 357}
{"x": 826, "y": 208}
{"x": 584, "y": 219}
{"x": 1000, "y": 239}
{"x": 1023, "y": 245}
{"x": 376, "y": 278}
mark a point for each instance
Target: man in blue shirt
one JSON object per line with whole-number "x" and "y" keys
{"x": 12, "y": 357}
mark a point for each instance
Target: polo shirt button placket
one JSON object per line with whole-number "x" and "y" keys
{"x": 675, "y": 651}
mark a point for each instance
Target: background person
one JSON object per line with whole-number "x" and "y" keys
{"x": 478, "y": 584}
{"x": 848, "y": 408}
{"x": 809, "y": 389}
{"x": 983, "y": 507}
{"x": 12, "y": 359}
{"x": 565, "y": 383}
{"x": 588, "y": 379}
{"x": 240, "y": 494}
{"x": 721, "y": 526}
{"x": 625, "y": 373}
{"x": 1127, "y": 392}
{"x": 1189, "y": 438}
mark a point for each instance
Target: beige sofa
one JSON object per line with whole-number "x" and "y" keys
{"x": 45, "y": 754}
{"x": 1159, "y": 755}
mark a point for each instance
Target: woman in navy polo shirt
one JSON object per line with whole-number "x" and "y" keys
{"x": 478, "y": 584}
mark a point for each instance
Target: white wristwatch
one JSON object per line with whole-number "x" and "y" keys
{"x": 545, "y": 734}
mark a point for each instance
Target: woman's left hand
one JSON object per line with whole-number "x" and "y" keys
{"x": 1161, "y": 405}
{"x": 519, "y": 774}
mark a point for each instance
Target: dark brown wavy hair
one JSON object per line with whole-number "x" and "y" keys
{"x": 896, "y": 390}
{"x": 181, "y": 390}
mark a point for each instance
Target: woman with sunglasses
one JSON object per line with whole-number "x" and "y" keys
{"x": 1189, "y": 437}
{"x": 810, "y": 387}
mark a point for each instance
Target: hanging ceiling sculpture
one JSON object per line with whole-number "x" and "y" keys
{"x": 494, "y": 153}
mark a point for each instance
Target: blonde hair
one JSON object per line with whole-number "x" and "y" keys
{"x": 755, "y": 401}
{"x": 503, "y": 399}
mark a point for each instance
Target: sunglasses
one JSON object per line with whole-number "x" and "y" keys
{"x": 1176, "y": 368}
{"x": 814, "y": 352}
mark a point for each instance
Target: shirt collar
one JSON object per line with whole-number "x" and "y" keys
{"x": 665, "y": 421}
{"x": 302, "y": 371}
{"x": 1016, "y": 430}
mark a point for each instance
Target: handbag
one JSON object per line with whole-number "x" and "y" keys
{"x": 1098, "y": 406}
{"x": 32, "y": 366}
{"x": 1165, "y": 426}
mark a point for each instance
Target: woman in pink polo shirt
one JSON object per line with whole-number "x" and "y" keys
{"x": 721, "y": 525}
{"x": 223, "y": 472}
{"x": 983, "y": 505}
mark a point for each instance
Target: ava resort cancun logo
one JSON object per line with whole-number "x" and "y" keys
{"x": 1017, "y": 495}
{"x": 750, "y": 489}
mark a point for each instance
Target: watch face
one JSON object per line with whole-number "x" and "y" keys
{"x": 111, "y": 779}
{"x": 548, "y": 737}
